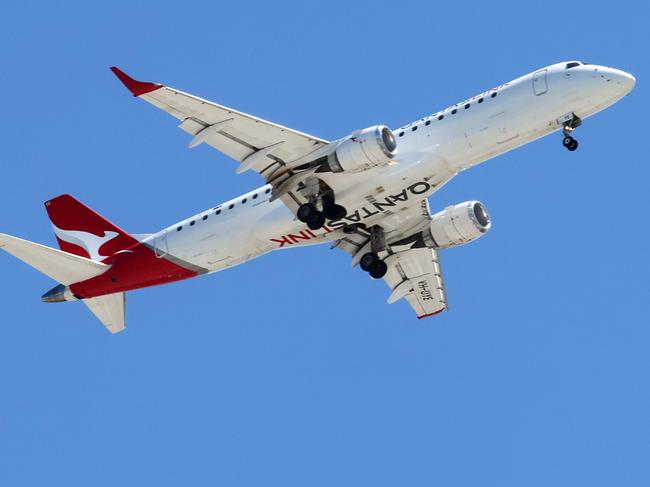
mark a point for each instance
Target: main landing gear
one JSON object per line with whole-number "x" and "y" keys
{"x": 314, "y": 218}
{"x": 373, "y": 265}
{"x": 370, "y": 262}
{"x": 567, "y": 129}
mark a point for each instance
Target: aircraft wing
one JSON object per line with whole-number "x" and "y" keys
{"x": 414, "y": 271}
{"x": 262, "y": 146}
{"x": 415, "y": 275}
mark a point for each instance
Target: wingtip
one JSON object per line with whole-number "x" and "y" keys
{"x": 134, "y": 86}
{"x": 432, "y": 314}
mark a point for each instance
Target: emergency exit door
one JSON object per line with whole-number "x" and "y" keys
{"x": 540, "y": 85}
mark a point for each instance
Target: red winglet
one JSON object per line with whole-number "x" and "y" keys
{"x": 431, "y": 314}
{"x": 136, "y": 87}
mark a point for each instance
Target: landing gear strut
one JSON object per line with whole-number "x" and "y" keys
{"x": 568, "y": 127}
{"x": 370, "y": 262}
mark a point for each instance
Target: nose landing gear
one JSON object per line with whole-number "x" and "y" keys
{"x": 570, "y": 143}
{"x": 569, "y": 123}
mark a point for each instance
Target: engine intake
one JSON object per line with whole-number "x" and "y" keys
{"x": 365, "y": 149}
{"x": 459, "y": 224}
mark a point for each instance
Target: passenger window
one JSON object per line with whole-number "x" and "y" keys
{"x": 453, "y": 112}
{"x": 178, "y": 229}
{"x": 415, "y": 127}
{"x": 493, "y": 94}
{"x": 217, "y": 212}
{"x": 255, "y": 196}
{"x": 428, "y": 122}
{"x": 466, "y": 106}
{"x": 401, "y": 134}
{"x": 480, "y": 100}
{"x": 205, "y": 217}
{"x": 192, "y": 222}
{"x": 268, "y": 190}
{"x": 440, "y": 117}
{"x": 244, "y": 200}
{"x": 231, "y": 206}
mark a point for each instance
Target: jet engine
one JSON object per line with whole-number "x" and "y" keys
{"x": 364, "y": 149}
{"x": 458, "y": 225}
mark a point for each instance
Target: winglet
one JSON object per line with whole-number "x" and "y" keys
{"x": 136, "y": 87}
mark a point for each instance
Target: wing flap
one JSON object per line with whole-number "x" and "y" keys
{"x": 415, "y": 275}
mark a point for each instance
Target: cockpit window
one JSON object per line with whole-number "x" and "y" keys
{"x": 572, "y": 64}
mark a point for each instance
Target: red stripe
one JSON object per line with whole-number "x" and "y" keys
{"x": 135, "y": 268}
{"x": 431, "y": 314}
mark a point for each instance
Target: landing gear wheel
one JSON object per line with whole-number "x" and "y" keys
{"x": 570, "y": 143}
{"x": 316, "y": 220}
{"x": 305, "y": 212}
{"x": 334, "y": 212}
{"x": 368, "y": 261}
{"x": 378, "y": 270}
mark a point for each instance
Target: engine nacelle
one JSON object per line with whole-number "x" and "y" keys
{"x": 458, "y": 224}
{"x": 365, "y": 149}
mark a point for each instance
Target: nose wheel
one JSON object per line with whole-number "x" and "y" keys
{"x": 569, "y": 124}
{"x": 570, "y": 143}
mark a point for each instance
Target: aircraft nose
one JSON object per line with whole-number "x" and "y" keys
{"x": 628, "y": 81}
{"x": 625, "y": 81}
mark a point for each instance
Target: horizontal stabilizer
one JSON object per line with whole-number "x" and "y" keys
{"x": 110, "y": 310}
{"x": 61, "y": 266}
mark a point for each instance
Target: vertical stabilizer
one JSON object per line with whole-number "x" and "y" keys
{"x": 81, "y": 231}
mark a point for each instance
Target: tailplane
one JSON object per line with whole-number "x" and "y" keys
{"x": 81, "y": 231}
{"x": 110, "y": 310}
{"x": 61, "y": 266}
{"x": 68, "y": 268}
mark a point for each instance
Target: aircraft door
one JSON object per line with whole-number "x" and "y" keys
{"x": 540, "y": 85}
{"x": 160, "y": 245}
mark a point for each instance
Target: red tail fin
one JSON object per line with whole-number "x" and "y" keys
{"x": 81, "y": 231}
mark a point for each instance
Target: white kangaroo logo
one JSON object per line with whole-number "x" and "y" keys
{"x": 89, "y": 242}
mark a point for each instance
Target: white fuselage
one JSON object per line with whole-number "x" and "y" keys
{"x": 431, "y": 151}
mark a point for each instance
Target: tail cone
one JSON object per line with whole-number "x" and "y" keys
{"x": 58, "y": 294}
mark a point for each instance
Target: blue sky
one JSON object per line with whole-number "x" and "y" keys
{"x": 292, "y": 370}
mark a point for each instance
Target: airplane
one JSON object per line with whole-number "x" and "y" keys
{"x": 365, "y": 193}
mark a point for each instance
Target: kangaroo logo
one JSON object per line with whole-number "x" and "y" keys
{"x": 87, "y": 241}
